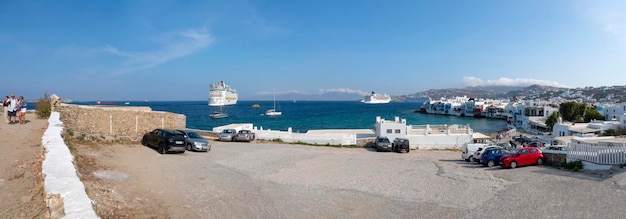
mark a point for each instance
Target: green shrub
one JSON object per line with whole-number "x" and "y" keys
{"x": 574, "y": 165}
{"x": 277, "y": 140}
{"x": 43, "y": 108}
{"x": 81, "y": 137}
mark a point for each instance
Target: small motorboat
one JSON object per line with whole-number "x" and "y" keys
{"x": 256, "y": 105}
{"x": 218, "y": 115}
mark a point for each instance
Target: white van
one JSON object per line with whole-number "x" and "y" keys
{"x": 468, "y": 150}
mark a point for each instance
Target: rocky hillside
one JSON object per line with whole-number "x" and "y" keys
{"x": 616, "y": 94}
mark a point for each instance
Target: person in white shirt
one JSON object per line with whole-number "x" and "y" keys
{"x": 13, "y": 107}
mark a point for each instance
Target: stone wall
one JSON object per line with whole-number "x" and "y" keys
{"x": 366, "y": 142}
{"x": 555, "y": 159}
{"x": 117, "y": 120}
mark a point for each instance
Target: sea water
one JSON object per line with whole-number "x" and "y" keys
{"x": 302, "y": 116}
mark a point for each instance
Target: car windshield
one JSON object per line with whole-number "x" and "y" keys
{"x": 383, "y": 140}
{"x": 228, "y": 131}
{"x": 513, "y": 151}
{"x": 177, "y": 134}
{"x": 193, "y": 135}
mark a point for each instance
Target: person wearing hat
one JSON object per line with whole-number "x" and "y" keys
{"x": 13, "y": 109}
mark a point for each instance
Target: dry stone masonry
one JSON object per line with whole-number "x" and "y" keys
{"x": 116, "y": 121}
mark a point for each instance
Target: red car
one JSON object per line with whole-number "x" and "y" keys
{"x": 522, "y": 157}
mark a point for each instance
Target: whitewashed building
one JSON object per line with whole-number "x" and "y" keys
{"x": 425, "y": 136}
{"x": 615, "y": 112}
{"x": 591, "y": 129}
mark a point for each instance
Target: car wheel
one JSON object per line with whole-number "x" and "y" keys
{"x": 188, "y": 147}
{"x": 513, "y": 165}
{"x": 469, "y": 159}
{"x": 144, "y": 142}
{"x": 539, "y": 161}
{"x": 491, "y": 163}
{"x": 408, "y": 150}
{"x": 162, "y": 149}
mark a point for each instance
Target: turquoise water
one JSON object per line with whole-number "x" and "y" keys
{"x": 308, "y": 115}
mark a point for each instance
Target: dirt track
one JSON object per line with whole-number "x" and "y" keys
{"x": 241, "y": 180}
{"x": 21, "y": 185}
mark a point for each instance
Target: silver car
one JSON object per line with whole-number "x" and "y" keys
{"x": 195, "y": 142}
{"x": 227, "y": 134}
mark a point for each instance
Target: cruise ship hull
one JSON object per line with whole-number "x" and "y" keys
{"x": 221, "y": 94}
{"x": 222, "y": 98}
{"x": 376, "y": 101}
{"x": 375, "y": 98}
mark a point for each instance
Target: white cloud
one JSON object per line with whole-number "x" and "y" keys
{"x": 343, "y": 90}
{"x": 509, "y": 82}
{"x": 172, "y": 46}
{"x": 609, "y": 16}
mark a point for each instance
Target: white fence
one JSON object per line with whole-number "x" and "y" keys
{"x": 599, "y": 154}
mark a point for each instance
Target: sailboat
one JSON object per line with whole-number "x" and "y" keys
{"x": 219, "y": 115}
{"x": 273, "y": 112}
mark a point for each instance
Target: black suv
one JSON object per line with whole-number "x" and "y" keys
{"x": 400, "y": 144}
{"x": 165, "y": 140}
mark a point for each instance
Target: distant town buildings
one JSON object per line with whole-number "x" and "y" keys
{"x": 530, "y": 111}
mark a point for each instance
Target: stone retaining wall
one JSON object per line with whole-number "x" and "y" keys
{"x": 555, "y": 159}
{"x": 117, "y": 120}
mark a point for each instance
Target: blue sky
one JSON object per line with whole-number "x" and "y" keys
{"x": 172, "y": 50}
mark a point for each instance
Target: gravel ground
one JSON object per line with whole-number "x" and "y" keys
{"x": 247, "y": 180}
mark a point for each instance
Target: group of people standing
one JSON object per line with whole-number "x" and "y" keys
{"x": 14, "y": 109}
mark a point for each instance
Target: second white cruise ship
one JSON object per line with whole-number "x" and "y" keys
{"x": 221, "y": 94}
{"x": 376, "y": 98}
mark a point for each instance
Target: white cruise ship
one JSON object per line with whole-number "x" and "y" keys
{"x": 221, "y": 94}
{"x": 376, "y": 98}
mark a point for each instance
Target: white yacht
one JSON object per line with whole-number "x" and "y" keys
{"x": 273, "y": 111}
{"x": 376, "y": 98}
{"x": 221, "y": 94}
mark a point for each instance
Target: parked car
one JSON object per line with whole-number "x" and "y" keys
{"x": 468, "y": 150}
{"x": 227, "y": 134}
{"x": 478, "y": 155}
{"x": 165, "y": 140}
{"x": 383, "y": 144}
{"x": 244, "y": 135}
{"x": 491, "y": 156}
{"x": 400, "y": 144}
{"x": 195, "y": 142}
{"x": 522, "y": 157}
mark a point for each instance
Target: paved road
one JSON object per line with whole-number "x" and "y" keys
{"x": 241, "y": 180}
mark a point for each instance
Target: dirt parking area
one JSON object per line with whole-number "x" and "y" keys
{"x": 248, "y": 180}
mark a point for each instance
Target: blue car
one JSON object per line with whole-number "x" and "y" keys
{"x": 492, "y": 156}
